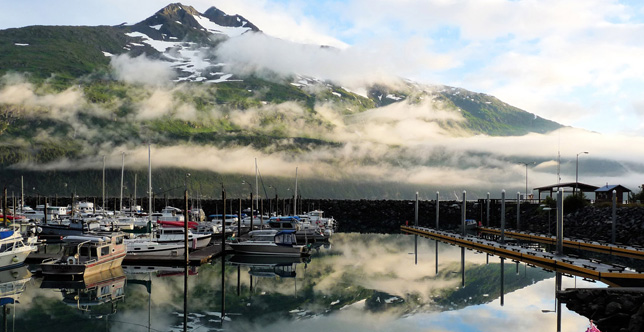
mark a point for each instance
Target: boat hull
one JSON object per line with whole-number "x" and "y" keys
{"x": 197, "y": 242}
{"x": 268, "y": 249}
{"x": 149, "y": 248}
{"x": 11, "y": 259}
{"x": 64, "y": 268}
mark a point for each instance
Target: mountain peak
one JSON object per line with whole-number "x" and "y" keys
{"x": 223, "y": 19}
{"x": 177, "y": 8}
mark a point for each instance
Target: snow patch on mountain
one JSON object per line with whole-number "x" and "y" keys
{"x": 213, "y": 27}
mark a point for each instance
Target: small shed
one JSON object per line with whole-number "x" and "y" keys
{"x": 605, "y": 193}
{"x": 567, "y": 187}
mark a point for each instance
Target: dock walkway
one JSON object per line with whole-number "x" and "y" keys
{"x": 611, "y": 274}
{"x": 584, "y": 244}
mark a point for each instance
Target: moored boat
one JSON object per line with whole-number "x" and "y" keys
{"x": 153, "y": 248}
{"x": 270, "y": 242}
{"x": 13, "y": 250}
{"x": 176, "y": 235}
{"x": 87, "y": 254}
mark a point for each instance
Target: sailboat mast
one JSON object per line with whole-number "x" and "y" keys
{"x": 103, "y": 206}
{"x": 256, "y": 188}
{"x": 122, "y": 171}
{"x": 295, "y": 197}
{"x": 133, "y": 203}
{"x": 149, "y": 184}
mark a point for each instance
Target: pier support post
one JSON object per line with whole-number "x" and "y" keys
{"x": 487, "y": 213}
{"x": 518, "y": 211}
{"x": 614, "y": 226}
{"x": 437, "y": 209}
{"x": 463, "y": 212}
{"x": 223, "y": 224}
{"x": 503, "y": 216}
{"x": 416, "y": 211}
{"x": 5, "y": 215}
{"x": 185, "y": 229}
{"x": 560, "y": 222}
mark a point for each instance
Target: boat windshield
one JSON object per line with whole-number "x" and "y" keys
{"x": 285, "y": 238}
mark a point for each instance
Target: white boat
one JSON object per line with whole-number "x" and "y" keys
{"x": 13, "y": 250}
{"x": 326, "y": 224}
{"x": 270, "y": 242}
{"x": 87, "y": 254}
{"x": 176, "y": 235}
{"x": 142, "y": 246}
{"x": 168, "y": 213}
{"x": 304, "y": 230}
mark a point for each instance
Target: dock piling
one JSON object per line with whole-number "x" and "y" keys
{"x": 463, "y": 211}
{"x": 614, "y": 225}
{"x": 487, "y": 214}
{"x": 437, "y": 209}
{"x": 560, "y": 222}
{"x": 518, "y": 211}
{"x": 503, "y": 216}
{"x": 416, "y": 211}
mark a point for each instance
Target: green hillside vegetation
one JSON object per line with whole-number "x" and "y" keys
{"x": 64, "y": 52}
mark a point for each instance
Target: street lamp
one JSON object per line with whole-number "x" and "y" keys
{"x": 577, "y": 170}
{"x": 185, "y": 181}
{"x": 526, "y": 176}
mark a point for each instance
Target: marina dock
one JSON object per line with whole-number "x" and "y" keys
{"x": 583, "y": 244}
{"x": 611, "y": 274}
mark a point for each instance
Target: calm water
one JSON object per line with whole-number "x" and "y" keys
{"x": 357, "y": 283}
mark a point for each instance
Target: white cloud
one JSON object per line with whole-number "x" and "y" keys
{"x": 141, "y": 70}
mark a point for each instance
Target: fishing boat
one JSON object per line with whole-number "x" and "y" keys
{"x": 87, "y": 254}
{"x": 67, "y": 227}
{"x": 13, "y": 250}
{"x": 270, "y": 242}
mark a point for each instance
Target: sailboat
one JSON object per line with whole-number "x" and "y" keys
{"x": 148, "y": 244}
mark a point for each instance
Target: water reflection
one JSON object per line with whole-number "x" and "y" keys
{"x": 362, "y": 282}
{"x": 96, "y": 295}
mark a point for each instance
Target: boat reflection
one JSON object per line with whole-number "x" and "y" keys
{"x": 269, "y": 266}
{"x": 95, "y": 295}
{"x": 12, "y": 283}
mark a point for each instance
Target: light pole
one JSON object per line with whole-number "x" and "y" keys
{"x": 526, "y": 176}
{"x": 577, "y": 170}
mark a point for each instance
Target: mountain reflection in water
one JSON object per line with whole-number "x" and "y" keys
{"x": 361, "y": 282}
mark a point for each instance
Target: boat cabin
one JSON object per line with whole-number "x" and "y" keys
{"x": 81, "y": 249}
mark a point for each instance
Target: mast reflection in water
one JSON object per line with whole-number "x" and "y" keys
{"x": 361, "y": 282}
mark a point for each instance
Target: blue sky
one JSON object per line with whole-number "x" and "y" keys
{"x": 577, "y": 62}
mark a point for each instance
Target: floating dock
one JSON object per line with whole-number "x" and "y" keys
{"x": 611, "y": 274}
{"x": 583, "y": 244}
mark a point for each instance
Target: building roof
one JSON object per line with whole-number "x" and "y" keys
{"x": 578, "y": 185}
{"x": 611, "y": 187}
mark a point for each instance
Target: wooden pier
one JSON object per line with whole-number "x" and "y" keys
{"x": 611, "y": 274}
